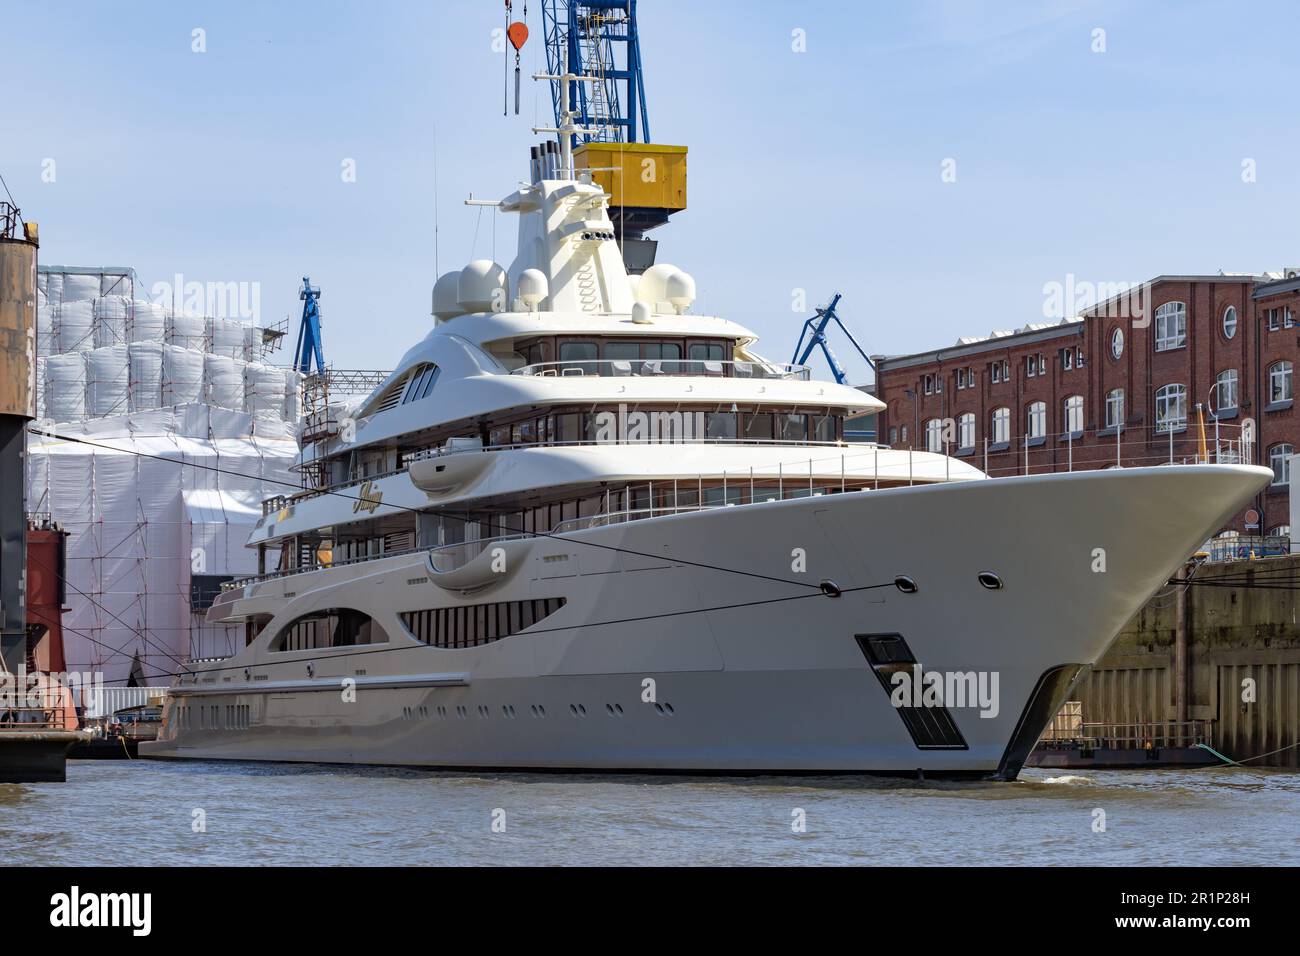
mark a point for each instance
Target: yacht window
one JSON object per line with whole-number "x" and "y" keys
{"x": 792, "y": 427}
{"x": 720, "y": 425}
{"x": 758, "y": 427}
{"x": 707, "y": 352}
{"x": 717, "y": 496}
{"x": 622, "y": 351}
{"x": 568, "y": 427}
{"x": 525, "y": 432}
{"x": 474, "y": 625}
{"x": 336, "y": 627}
{"x": 421, "y": 383}
{"x": 823, "y": 428}
{"x": 581, "y": 353}
{"x": 663, "y": 350}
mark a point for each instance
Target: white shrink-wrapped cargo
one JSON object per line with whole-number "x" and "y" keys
{"x": 53, "y": 286}
{"x": 116, "y": 285}
{"x": 74, "y": 325}
{"x": 292, "y": 411}
{"x": 110, "y": 314}
{"x": 226, "y": 337}
{"x": 46, "y": 343}
{"x": 148, "y": 322}
{"x": 78, "y": 288}
{"x": 146, "y": 361}
{"x": 65, "y": 387}
{"x": 223, "y": 381}
{"x": 108, "y": 381}
{"x": 263, "y": 390}
{"x": 182, "y": 376}
{"x": 187, "y": 331}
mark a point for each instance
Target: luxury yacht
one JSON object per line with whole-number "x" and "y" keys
{"x": 582, "y": 528}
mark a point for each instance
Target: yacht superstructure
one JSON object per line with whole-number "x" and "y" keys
{"x": 581, "y": 527}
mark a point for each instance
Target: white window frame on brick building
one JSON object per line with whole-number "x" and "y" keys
{"x": 1171, "y": 407}
{"x": 1279, "y": 459}
{"x": 1117, "y": 344}
{"x": 934, "y": 435}
{"x": 1115, "y": 408}
{"x": 1280, "y": 382}
{"x": 1225, "y": 391}
{"x": 1171, "y": 326}
{"x": 966, "y": 430}
{"x": 1074, "y": 414}
{"x": 1001, "y": 426}
{"x": 1230, "y": 322}
{"x": 1036, "y": 420}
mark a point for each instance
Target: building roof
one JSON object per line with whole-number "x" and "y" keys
{"x": 1233, "y": 277}
{"x": 997, "y": 339}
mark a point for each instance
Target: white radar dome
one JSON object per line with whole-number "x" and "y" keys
{"x": 679, "y": 291}
{"x": 445, "y": 295}
{"x": 481, "y": 287}
{"x": 532, "y": 288}
{"x": 653, "y": 287}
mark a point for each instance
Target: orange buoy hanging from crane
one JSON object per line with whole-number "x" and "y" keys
{"x": 517, "y": 33}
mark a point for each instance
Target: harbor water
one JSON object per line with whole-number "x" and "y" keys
{"x": 146, "y": 813}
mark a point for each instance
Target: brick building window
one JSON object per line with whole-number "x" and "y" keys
{"x": 1001, "y": 426}
{"x": 1171, "y": 408}
{"x": 934, "y": 435}
{"x": 1117, "y": 344}
{"x": 966, "y": 430}
{"x": 1034, "y": 365}
{"x": 995, "y": 372}
{"x": 1279, "y": 382}
{"x": 1225, "y": 391}
{"x": 1229, "y": 322}
{"x": 1115, "y": 408}
{"x": 1067, "y": 359}
{"x": 927, "y": 384}
{"x": 1074, "y": 414}
{"x": 1279, "y": 459}
{"x": 1171, "y": 326}
{"x": 1274, "y": 319}
{"x": 1036, "y": 420}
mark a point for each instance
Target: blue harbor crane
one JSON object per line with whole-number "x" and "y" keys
{"x": 814, "y": 332}
{"x": 598, "y": 38}
{"x": 309, "y": 340}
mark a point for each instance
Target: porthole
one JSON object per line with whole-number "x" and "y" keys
{"x": 905, "y": 584}
{"x": 1229, "y": 322}
{"x": 1117, "y": 343}
{"x": 990, "y": 580}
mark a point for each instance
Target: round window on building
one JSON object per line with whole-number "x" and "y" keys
{"x": 1117, "y": 343}
{"x": 1229, "y": 322}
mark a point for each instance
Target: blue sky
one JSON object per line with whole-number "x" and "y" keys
{"x": 818, "y": 170}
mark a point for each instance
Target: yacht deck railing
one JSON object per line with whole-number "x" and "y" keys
{"x": 625, "y": 368}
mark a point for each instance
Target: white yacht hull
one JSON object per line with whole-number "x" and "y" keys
{"x": 658, "y": 665}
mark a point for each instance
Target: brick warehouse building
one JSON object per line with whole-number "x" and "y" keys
{"x": 1119, "y": 384}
